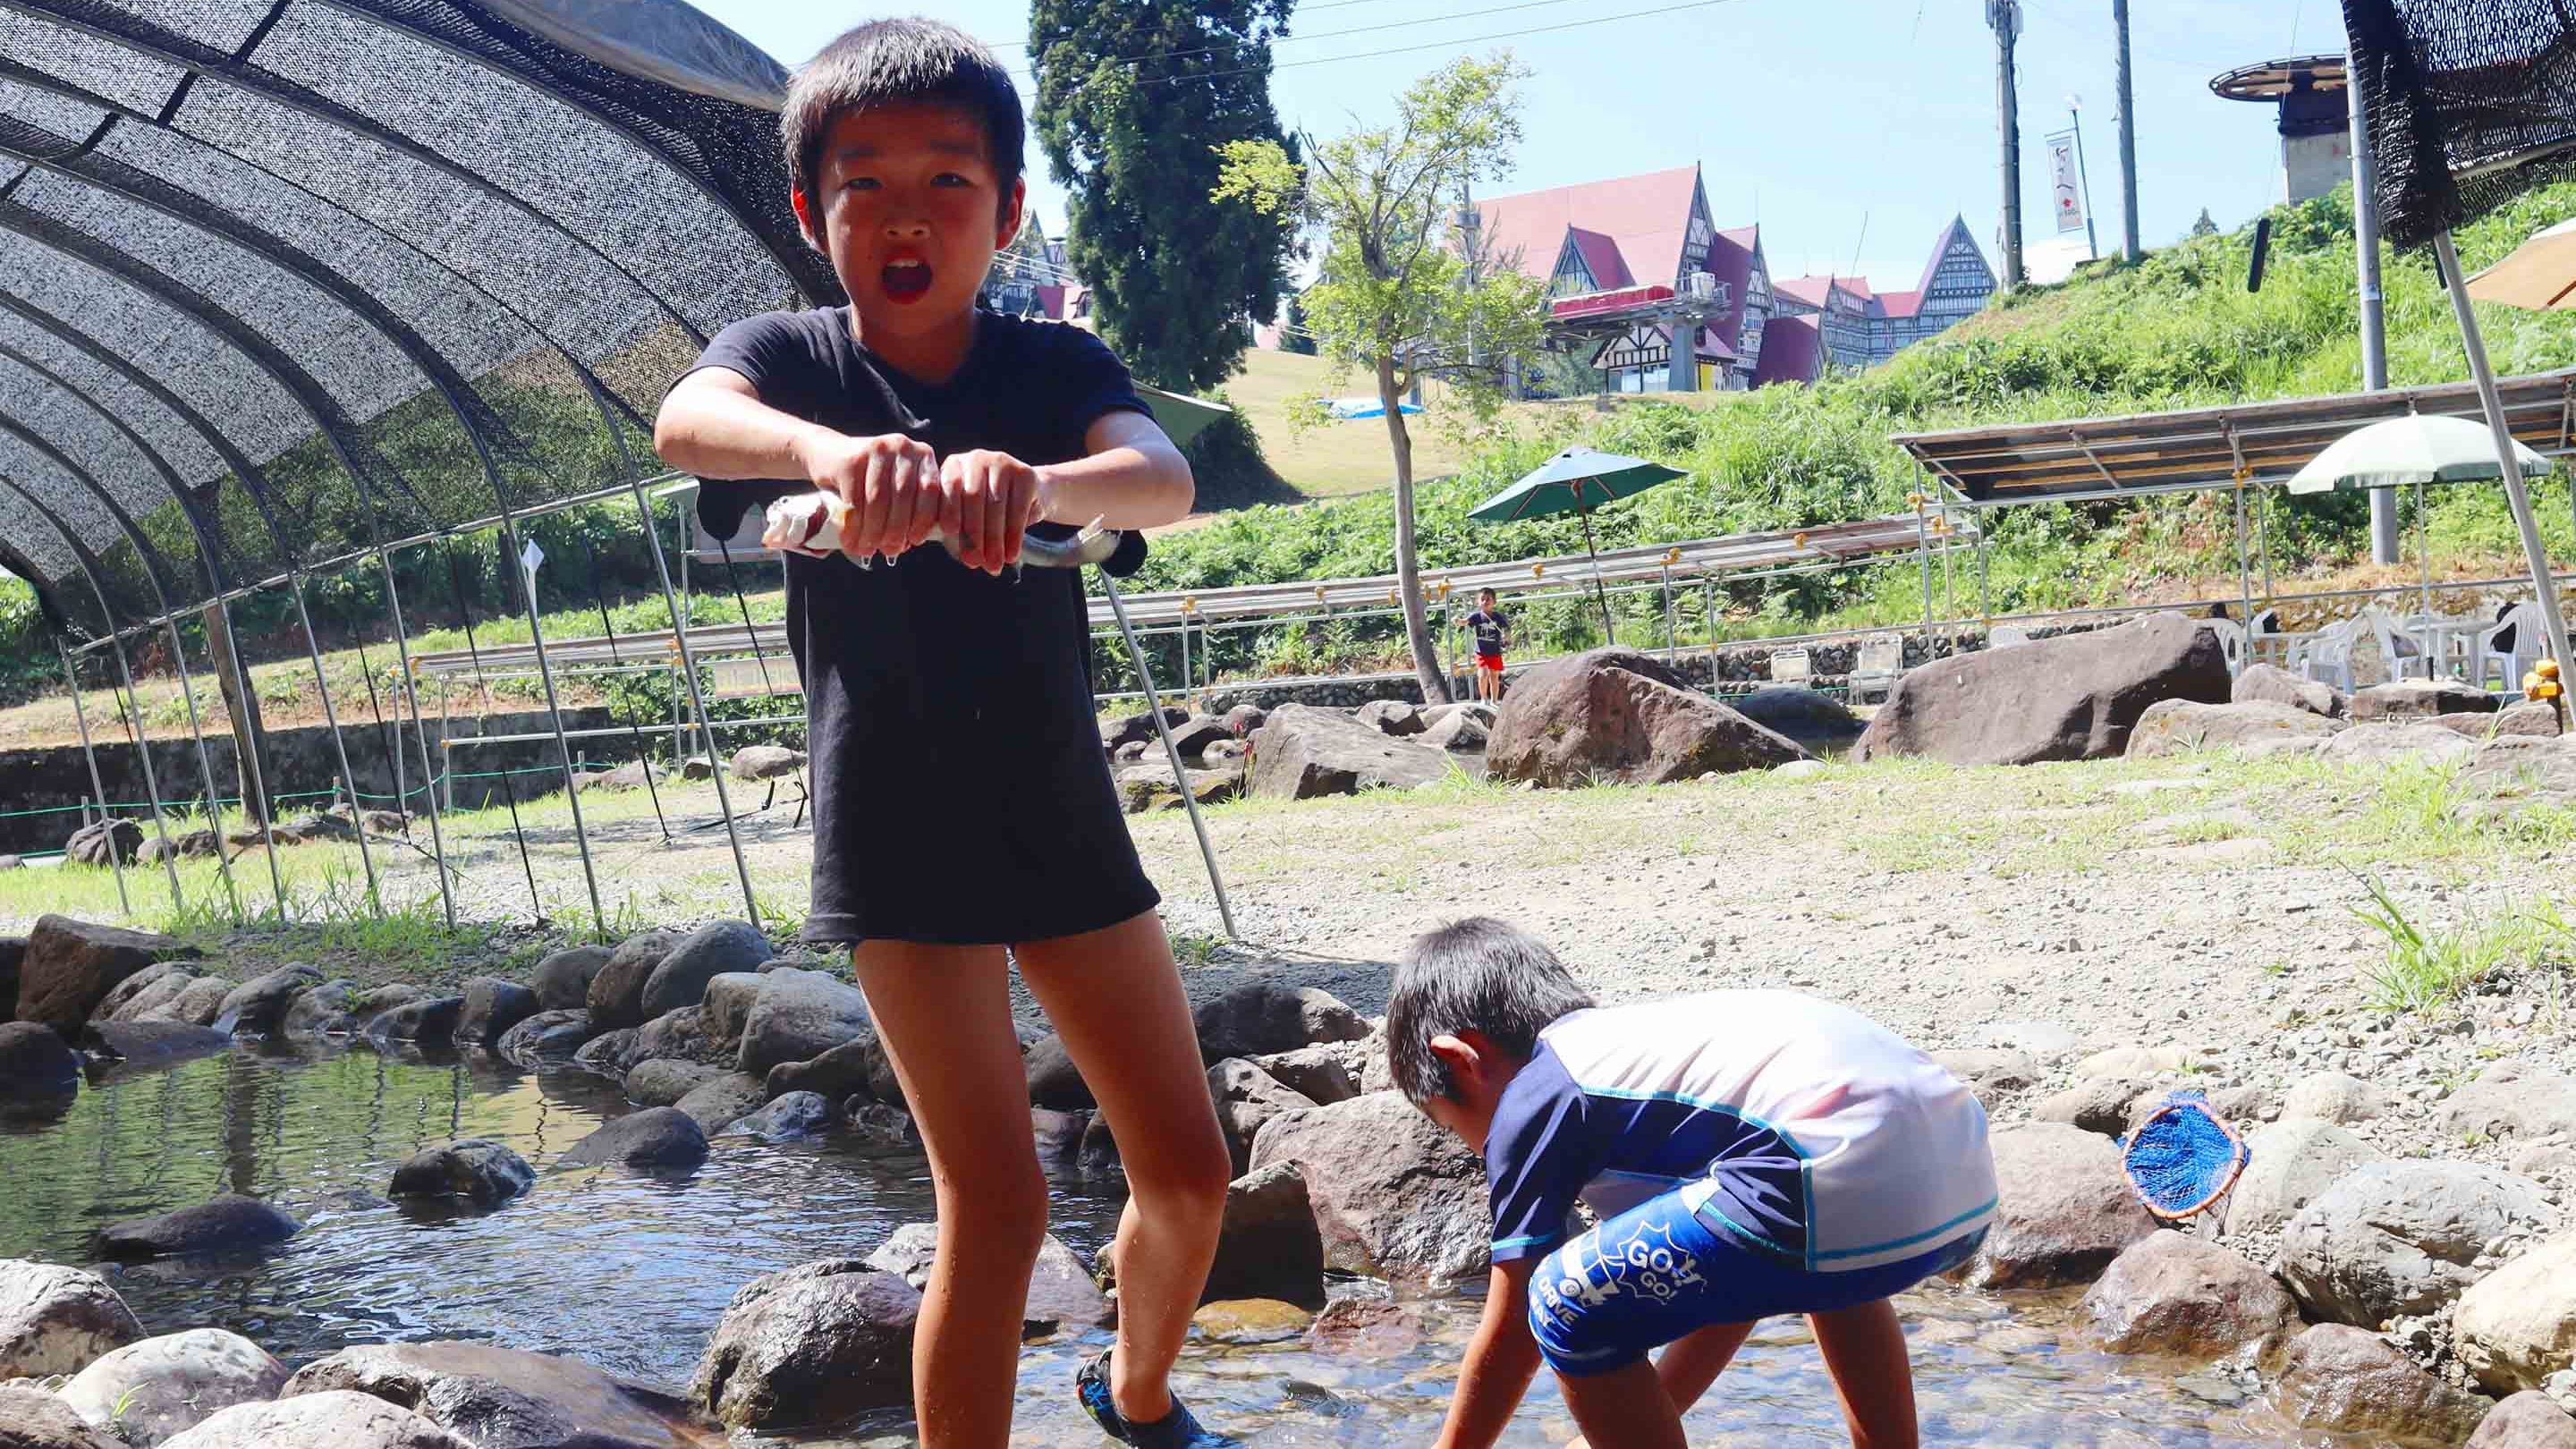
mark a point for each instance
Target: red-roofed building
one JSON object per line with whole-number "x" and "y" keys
{"x": 1862, "y": 327}
{"x": 1793, "y": 350}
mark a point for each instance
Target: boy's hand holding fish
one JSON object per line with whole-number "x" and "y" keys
{"x": 890, "y": 493}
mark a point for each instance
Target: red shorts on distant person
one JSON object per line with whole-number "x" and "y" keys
{"x": 1493, "y": 662}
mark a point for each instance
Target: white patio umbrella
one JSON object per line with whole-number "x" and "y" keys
{"x": 2539, "y": 276}
{"x": 2416, "y": 449}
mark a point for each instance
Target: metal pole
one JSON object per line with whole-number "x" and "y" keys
{"x": 151, "y": 777}
{"x": 2129, "y": 248}
{"x": 1923, "y": 555}
{"x": 1672, "y": 635}
{"x": 205, "y": 769}
{"x": 2005, "y": 17}
{"x": 97, "y": 787}
{"x": 2554, "y": 640}
{"x": 339, "y": 746}
{"x": 2084, "y": 182}
{"x": 2424, "y": 535}
{"x": 1186, "y": 676}
{"x": 2244, "y": 577}
{"x": 2384, "y": 548}
{"x": 254, "y": 772}
{"x": 697, "y": 701}
{"x": 554, "y": 721}
{"x": 1172, "y": 752}
{"x": 1985, "y": 597}
{"x": 428, "y": 780}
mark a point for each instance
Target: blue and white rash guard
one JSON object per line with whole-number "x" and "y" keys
{"x": 1790, "y": 1124}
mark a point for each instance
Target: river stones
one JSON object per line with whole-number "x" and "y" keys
{"x": 856, "y": 1067}
{"x": 2333, "y": 1097}
{"x": 1261, "y": 1017}
{"x": 610, "y": 1053}
{"x": 34, "y": 1419}
{"x": 259, "y": 1006}
{"x": 812, "y": 1345}
{"x": 1269, "y": 1246}
{"x": 1366, "y": 1328}
{"x": 616, "y": 995}
{"x": 2340, "y": 1378}
{"x": 701, "y": 956}
{"x": 493, "y": 1006}
{"x": 501, "y": 1398}
{"x": 2096, "y": 1104}
{"x": 1061, "y": 1293}
{"x": 797, "y": 1016}
{"x": 338, "y": 1420}
{"x": 70, "y": 966}
{"x": 2064, "y": 1209}
{"x": 57, "y": 1320}
{"x": 2511, "y": 1099}
{"x": 2517, "y": 1326}
{"x": 36, "y": 1064}
{"x": 2527, "y": 1420}
{"x": 2294, "y": 1163}
{"x": 321, "y": 1011}
{"x": 478, "y": 1171}
{"x": 1247, "y": 1098}
{"x": 1320, "y": 1073}
{"x": 149, "y": 1392}
{"x": 230, "y": 1223}
{"x": 729, "y": 999}
{"x": 654, "y": 1137}
{"x": 200, "y": 1003}
{"x": 433, "y": 1020}
{"x": 787, "y": 1118}
{"x": 718, "y": 1104}
{"x": 1393, "y": 1193}
{"x": 546, "y": 1039}
{"x": 2169, "y": 1293}
{"x": 562, "y": 979}
{"x": 122, "y": 994}
{"x": 678, "y": 1036}
{"x": 2392, "y": 1238}
{"x": 663, "y": 1083}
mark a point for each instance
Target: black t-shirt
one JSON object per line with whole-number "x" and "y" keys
{"x": 1489, "y": 629}
{"x": 960, "y": 792}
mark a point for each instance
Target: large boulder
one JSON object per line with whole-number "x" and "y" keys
{"x": 259, "y": 1006}
{"x": 2391, "y": 1238}
{"x": 1061, "y": 1293}
{"x": 338, "y": 1420}
{"x": 2512, "y": 1100}
{"x": 1138, "y": 728}
{"x": 799, "y": 1015}
{"x": 70, "y": 966}
{"x": 433, "y": 1020}
{"x": 2270, "y": 684}
{"x": 56, "y": 1320}
{"x": 493, "y": 1006}
{"x": 2174, "y": 1294}
{"x": 2177, "y": 726}
{"x": 1803, "y": 715}
{"x": 227, "y": 1224}
{"x": 1055, "y": 1083}
{"x": 1270, "y": 1246}
{"x": 1303, "y": 752}
{"x": 1246, "y": 1099}
{"x": 499, "y": 1398}
{"x": 2294, "y": 1163}
{"x": 654, "y": 1137}
{"x": 615, "y": 998}
{"x": 142, "y": 1046}
{"x": 1460, "y": 734}
{"x": 2064, "y": 1208}
{"x": 36, "y": 1065}
{"x": 2419, "y": 699}
{"x": 719, "y": 1104}
{"x": 767, "y": 762}
{"x": 150, "y": 1392}
{"x": 1398, "y": 717}
{"x": 809, "y": 1346}
{"x": 2341, "y": 1379}
{"x": 472, "y": 1169}
{"x": 678, "y": 1036}
{"x": 2421, "y": 741}
{"x": 728, "y": 1003}
{"x": 1261, "y": 1017}
{"x": 1393, "y": 1193}
{"x": 562, "y": 978}
{"x": 664, "y": 1083}
{"x": 321, "y": 1011}
{"x": 2517, "y": 1325}
{"x": 104, "y": 843}
{"x": 34, "y": 1419}
{"x": 2075, "y": 697}
{"x": 857, "y": 1067}
{"x": 546, "y": 1039}
{"x": 1617, "y": 714}
{"x": 2527, "y": 1420}
{"x": 1321, "y": 1073}
{"x": 700, "y": 957}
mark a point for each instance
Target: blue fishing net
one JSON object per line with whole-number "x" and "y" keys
{"x": 2183, "y": 1159}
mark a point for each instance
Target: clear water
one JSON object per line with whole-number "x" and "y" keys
{"x": 632, "y": 1272}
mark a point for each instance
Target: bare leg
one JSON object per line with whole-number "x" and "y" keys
{"x": 1624, "y": 1410}
{"x": 1115, "y": 996}
{"x": 1691, "y": 1364}
{"x": 945, "y": 1015}
{"x": 1864, "y": 1350}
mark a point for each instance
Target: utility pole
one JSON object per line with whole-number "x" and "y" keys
{"x": 2083, "y": 175}
{"x": 2005, "y": 17}
{"x": 2130, "y": 251}
{"x": 2374, "y": 326}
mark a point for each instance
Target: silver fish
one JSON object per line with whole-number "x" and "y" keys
{"x": 795, "y": 525}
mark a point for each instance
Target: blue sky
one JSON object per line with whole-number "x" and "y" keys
{"x": 1848, "y": 128}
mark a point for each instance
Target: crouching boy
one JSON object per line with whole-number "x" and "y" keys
{"x": 1746, "y": 1154}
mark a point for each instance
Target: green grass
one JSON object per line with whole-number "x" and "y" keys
{"x": 2426, "y": 969}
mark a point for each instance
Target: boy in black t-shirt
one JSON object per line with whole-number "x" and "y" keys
{"x": 1492, "y": 631}
{"x": 963, "y": 805}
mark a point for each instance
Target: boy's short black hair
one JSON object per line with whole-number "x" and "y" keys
{"x": 1484, "y": 593}
{"x": 889, "y": 61}
{"x": 1477, "y": 975}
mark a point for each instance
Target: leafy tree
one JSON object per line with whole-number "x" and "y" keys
{"x": 2204, "y": 226}
{"x": 1134, "y": 99}
{"x": 1397, "y": 295}
{"x": 1297, "y": 336}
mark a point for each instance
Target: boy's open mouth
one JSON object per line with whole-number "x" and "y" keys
{"x": 905, "y": 279}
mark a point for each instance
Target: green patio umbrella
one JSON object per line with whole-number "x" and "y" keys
{"x": 1576, "y": 481}
{"x": 1182, "y": 418}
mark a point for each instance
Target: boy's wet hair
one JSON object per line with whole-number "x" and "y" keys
{"x": 1477, "y": 975}
{"x": 887, "y": 62}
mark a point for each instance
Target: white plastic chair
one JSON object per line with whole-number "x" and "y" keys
{"x": 2495, "y": 656}
{"x": 1792, "y": 666}
{"x": 1876, "y": 667}
{"x": 2402, "y": 652}
{"x": 2005, "y": 636}
{"x": 2326, "y": 656}
{"x": 2231, "y": 641}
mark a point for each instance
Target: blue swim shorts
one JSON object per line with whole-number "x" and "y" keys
{"x": 1658, "y": 1272}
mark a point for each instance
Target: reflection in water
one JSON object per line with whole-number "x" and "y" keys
{"x": 632, "y": 1272}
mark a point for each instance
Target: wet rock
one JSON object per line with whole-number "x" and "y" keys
{"x": 150, "y": 1392}
{"x": 321, "y": 1011}
{"x": 34, "y": 1419}
{"x": 2517, "y": 1326}
{"x": 1393, "y": 1193}
{"x": 610, "y": 1053}
{"x": 2264, "y": 683}
{"x": 859, "y": 1065}
{"x": 2071, "y": 698}
{"x": 810, "y": 1346}
{"x": 654, "y": 1137}
{"x": 200, "y": 1003}
{"x": 481, "y": 1172}
{"x": 2527, "y": 1420}
{"x": 663, "y": 1083}
{"x": 2392, "y": 1238}
{"x": 500, "y": 1398}
{"x": 2294, "y": 1163}
{"x": 2065, "y": 1209}
{"x": 150, "y": 1002}
{"x": 616, "y": 995}
{"x": 122, "y": 994}
{"x": 1270, "y": 1246}
{"x": 2419, "y": 740}
{"x": 433, "y": 1020}
{"x": 729, "y": 999}
{"x": 678, "y": 1036}
{"x": 230, "y": 1223}
{"x": 1397, "y": 717}
{"x": 2510, "y": 1100}
{"x": 1061, "y": 1293}
{"x": 2179, "y": 726}
{"x": 874, "y": 1124}
{"x": 562, "y": 979}
{"x": 2418, "y": 699}
{"x": 1303, "y": 752}
{"x": 35, "y": 1063}
{"x": 1059, "y": 1138}
{"x": 1316, "y": 1072}
{"x": 2339, "y": 1378}
{"x": 1193, "y": 736}
{"x": 151, "y": 1045}
{"x": 1991, "y": 1071}
{"x": 1617, "y": 714}
{"x": 799, "y": 1015}
{"x": 493, "y": 1006}
{"x": 56, "y": 1320}
{"x": 787, "y": 1118}
{"x": 548, "y": 1038}
{"x": 1247, "y": 1098}
{"x": 2171, "y": 1293}
{"x": 701, "y": 956}
{"x": 70, "y": 966}
{"x": 1055, "y": 1083}
{"x": 339, "y": 1420}
{"x": 104, "y": 843}
{"x": 2334, "y": 1097}
{"x": 1262, "y": 1017}
{"x": 767, "y": 762}
{"x": 1250, "y": 1321}
{"x": 1366, "y": 1328}
{"x": 2096, "y": 1104}
{"x": 719, "y": 1104}
{"x": 258, "y": 1006}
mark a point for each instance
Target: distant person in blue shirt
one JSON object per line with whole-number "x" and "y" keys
{"x": 1492, "y": 631}
{"x": 1745, "y": 1153}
